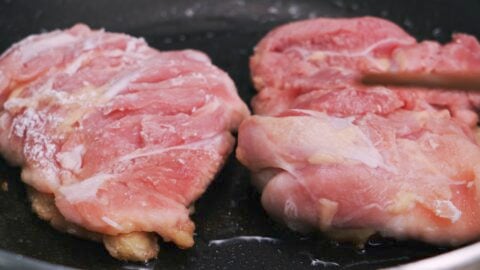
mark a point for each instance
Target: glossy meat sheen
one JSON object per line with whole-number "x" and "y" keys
{"x": 331, "y": 154}
{"x": 125, "y": 137}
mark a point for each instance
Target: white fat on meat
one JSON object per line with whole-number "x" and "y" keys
{"x": 324, "y": 139}
{"x": 290, "y": 209}
{"x": 86, "y": 189}
{"x": 16, "y": 104}
{"x": 73, "y": 67}
{"x": 361, "y": 53}
{"x": 446, "y": 209}
{"x": 71, "y": 160}
{"x": 120, "y": 84}
{"x": 29, "y": 126}
{"x": 36, "y": 47}
{"x": 326, "y": 212}
{"x": 197, "y": 56}
{"x": 112, "y": 223}
{"x": 206, "y": 144}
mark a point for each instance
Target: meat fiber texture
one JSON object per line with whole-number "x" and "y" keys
{"x": 329, "y": 153}
{"x": 125, "y": 137}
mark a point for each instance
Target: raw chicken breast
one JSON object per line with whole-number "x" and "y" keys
{"x": 331, "y": 154}
{"x": 124, "y": 137}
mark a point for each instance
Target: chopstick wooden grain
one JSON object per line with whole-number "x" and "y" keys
{"x": 453, "y": 81}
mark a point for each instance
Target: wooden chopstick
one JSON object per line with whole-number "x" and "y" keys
{"x": 453, "y": 81}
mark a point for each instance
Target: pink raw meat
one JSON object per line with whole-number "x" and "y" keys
{"x": 331, "y": 154}
{"x": 125, "y": 137}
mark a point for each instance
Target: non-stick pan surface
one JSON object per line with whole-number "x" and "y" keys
{"x": 226, "y": 30}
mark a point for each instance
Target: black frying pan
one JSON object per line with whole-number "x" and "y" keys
{"x": 227, "y": 30}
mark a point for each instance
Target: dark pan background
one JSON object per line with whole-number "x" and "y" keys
{"x": 226, "y": 30}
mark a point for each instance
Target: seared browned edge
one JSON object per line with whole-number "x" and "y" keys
{"x": 134, "y": 246}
